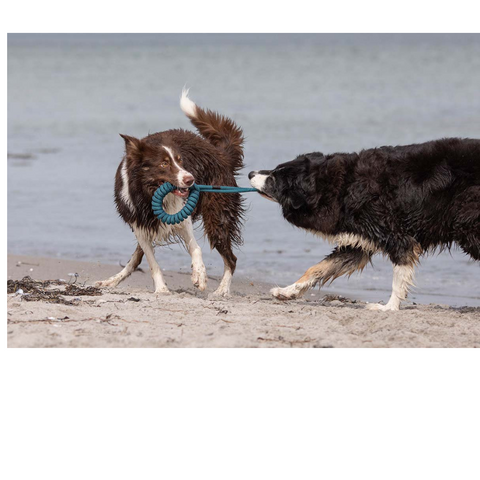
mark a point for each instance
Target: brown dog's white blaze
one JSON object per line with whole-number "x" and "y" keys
{"x": 184, "y": 179}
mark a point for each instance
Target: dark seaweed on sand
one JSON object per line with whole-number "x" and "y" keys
{"x": 38, "y": 290}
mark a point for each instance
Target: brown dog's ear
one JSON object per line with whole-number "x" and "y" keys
{"x": 132, "y": 144}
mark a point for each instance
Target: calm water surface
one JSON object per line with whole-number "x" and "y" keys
{"x": 70, "y": 95}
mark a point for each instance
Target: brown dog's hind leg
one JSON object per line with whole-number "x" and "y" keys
{"x": 130, "y": 267}
{"x": 230, "y": 263}
{"x": 222, "y": 219}
{"x": 342, "y": 261}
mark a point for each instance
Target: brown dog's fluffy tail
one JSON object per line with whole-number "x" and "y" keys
{"x": 220, "y": 131}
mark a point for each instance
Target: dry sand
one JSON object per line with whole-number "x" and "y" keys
{"x": 132, "y": 316}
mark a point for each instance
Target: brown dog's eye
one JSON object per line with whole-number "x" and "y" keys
{"x": 164, "y": 164}
{"x": 179, "y": 159}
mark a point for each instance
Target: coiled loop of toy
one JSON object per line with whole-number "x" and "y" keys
{"x": 191, "y": 203}
{"x": 186, "y": 211}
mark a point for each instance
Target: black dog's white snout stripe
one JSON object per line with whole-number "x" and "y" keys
{"x": 265, "y": 173}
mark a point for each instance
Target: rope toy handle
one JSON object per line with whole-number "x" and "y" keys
{"x": 191, "y": 203}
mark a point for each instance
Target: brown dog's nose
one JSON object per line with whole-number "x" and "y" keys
{"x": 188, "y": 180}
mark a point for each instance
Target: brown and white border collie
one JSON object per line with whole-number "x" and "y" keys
{"x": 182, "y": 158}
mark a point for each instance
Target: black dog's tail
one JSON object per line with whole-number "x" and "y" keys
{"x": 220, "y": 131}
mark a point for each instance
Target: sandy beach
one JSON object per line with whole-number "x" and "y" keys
{"x": 131, "y": 315}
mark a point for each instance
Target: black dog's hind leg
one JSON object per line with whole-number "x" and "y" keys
{"x": 342, "y": 261}
{"x": 467, "y": 222}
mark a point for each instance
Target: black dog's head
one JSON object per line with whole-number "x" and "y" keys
{"x": 290, "y": 184}
{"x": 307, "y": 188}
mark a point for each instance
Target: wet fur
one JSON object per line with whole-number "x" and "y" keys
{"x": 400, "y": 201}
{"x": 210, "y": 165}
{"x": 213, "y": 157}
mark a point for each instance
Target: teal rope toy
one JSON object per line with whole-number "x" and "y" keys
{"x": 191, "y": 203}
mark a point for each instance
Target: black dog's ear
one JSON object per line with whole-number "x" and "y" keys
{"x": 297, "y": 200}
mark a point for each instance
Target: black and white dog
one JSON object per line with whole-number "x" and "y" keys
{"x": 399, "y": 201}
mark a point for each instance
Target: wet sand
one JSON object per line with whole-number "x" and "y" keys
{"x": 131, "y": 315}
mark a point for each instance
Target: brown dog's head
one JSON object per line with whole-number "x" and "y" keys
{"x": 155, "y": 164}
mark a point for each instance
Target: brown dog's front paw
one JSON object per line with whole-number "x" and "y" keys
{"x": 199, "y": 277}
{"x": 162, "y": 291}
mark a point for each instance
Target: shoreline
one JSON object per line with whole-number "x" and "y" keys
{"x": 131, "y": 315}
